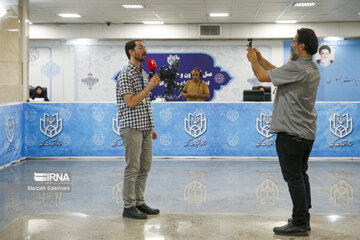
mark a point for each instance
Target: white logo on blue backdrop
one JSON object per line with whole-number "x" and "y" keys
{"x": 341, "y": 126}
{"x": 116, "y": 130}
{"x": 30, "y": 115}
{"x": 65, "y": 114}
{"x": 263, "y": 128}
{"x": 232, "y": 139}
{"x": 232, "y": 115}
{"x": 195, "y": 126}
{"x": 98, "y": 139}
{"x": 10, "y": 132}
{"x": 166, "y": 114}
{"x": 165, "y": 139}
{"x": 51, "y": 126}
{"x": 98, "y": 114}
{"x": 171, "y": 58}
{"x": 30, "y": 140}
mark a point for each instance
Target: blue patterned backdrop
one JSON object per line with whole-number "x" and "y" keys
{"x": 184, "y": 129}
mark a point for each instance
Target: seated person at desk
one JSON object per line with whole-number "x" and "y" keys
{"x": 38, "y": 93}
{"x": 195, "y": 89}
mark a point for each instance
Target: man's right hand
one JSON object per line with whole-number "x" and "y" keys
{"x": 154, "y": 81}
{"x": 258, "y": 54}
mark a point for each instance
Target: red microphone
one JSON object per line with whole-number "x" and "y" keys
{"x": 152, "y": 65}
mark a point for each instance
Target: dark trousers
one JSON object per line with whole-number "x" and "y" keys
{"x": 293, "y": 155}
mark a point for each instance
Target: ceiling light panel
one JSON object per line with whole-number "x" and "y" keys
{"x": 134, "y": 6}
{"x": 69, "y": 15}
{"x": 153, "y": 22}
{"x": 304, "y": 4}
{"x": 286, "y": 21}
{"x": 219, "y": 14}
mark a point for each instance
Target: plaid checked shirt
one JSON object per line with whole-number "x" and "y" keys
{"x": 129, "y": 81}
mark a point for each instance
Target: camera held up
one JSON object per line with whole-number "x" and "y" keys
{"x": 168, "y": 74}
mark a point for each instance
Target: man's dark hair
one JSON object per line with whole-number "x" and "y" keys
{"x": 131, "y": 45}
{"x": 309, "y": 38}
{"x": 324, "y": 47}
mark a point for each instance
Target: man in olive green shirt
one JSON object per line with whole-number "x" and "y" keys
{"x": 195, "y": 89}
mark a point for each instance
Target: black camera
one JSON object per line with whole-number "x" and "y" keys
{"x": 168, "y": 74}
{"x": 250, "y": 40}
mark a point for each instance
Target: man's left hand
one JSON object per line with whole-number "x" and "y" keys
{"x": 154, "y": 135}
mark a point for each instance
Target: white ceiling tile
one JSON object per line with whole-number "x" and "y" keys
{"x": 195, "y": 11}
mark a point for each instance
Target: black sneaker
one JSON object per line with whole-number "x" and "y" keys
{"x": 148, "y": 210}
{"x": 291, "y": 230}
{"x": 307, "y": 224}
{"x": 134, "y": 213}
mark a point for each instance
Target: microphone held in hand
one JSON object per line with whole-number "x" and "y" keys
{"x": 152, "y": 66}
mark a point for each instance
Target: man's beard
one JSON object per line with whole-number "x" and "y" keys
{"x": 294, "y": 54}
{"x": 140, "y": 59}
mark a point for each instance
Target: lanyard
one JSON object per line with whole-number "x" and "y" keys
{"x": 142, "y": 81}
{"x": 142, "y": 84}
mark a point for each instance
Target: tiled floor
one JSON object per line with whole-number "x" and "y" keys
{"x": 198, "y": 198}
{"x": 76, "y": 226}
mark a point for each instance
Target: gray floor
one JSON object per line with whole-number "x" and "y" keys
{"x": 198, "y": 198}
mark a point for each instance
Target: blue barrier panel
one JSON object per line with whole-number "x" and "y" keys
{"x": 214, "y": 129}
{"x": 10, "y": 133}
{"x": 184, "y": 129}
{"x": 71, "y": 129}
{"x": 338, "y": 130}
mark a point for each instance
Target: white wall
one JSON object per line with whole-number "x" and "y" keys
{"x": 188, "y": 31}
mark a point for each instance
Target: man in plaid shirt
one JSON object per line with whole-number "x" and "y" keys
{"x": 136, "y": 129}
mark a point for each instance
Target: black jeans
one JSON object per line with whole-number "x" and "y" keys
{"x": 293, "y": 155}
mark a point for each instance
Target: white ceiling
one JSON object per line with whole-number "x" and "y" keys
{"x": 193, "y": 11}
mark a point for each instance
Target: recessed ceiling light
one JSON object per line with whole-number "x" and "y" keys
{"x": 133, "y": 6}
{"x": 304, "y": 4}
{"x": 286, "y": 21}
{"x": 13, "y": 29}
{"x": 153, "y": 22}
{"x": 219, "y": 14}
{"x": 69, "y": 15}
{"x": 3, "y": 11}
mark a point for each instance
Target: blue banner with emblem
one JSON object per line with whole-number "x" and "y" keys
{"x": 212, "y": 75}
{"x": 338, "y": 133}
{"x": 10, "y": 133}
{"x": 61, "y": 129}
{"x": 184, "y": 129}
